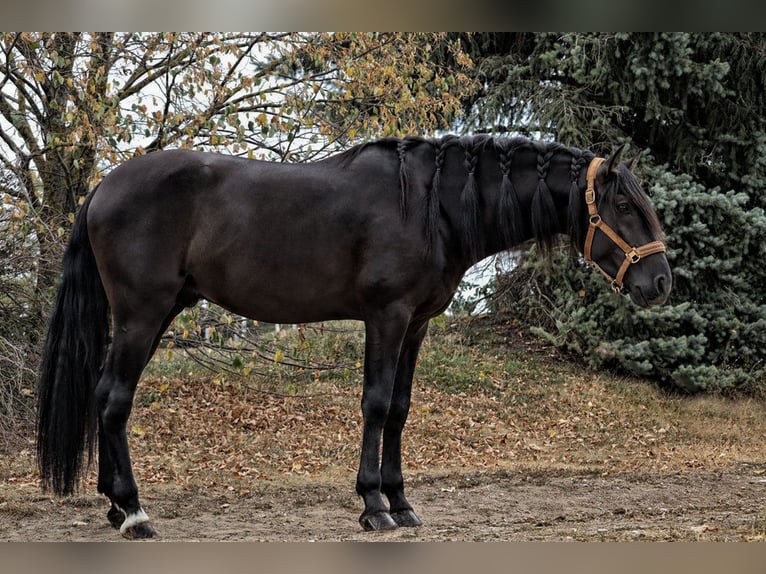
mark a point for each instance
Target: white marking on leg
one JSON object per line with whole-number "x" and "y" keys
{"x": 133, "y": 519}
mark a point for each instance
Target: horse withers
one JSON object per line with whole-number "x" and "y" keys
{"x": 381, "y": 233}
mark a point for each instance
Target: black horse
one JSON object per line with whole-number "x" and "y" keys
{"x": 381, "y": 233}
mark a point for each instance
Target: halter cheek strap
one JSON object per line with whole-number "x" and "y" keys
{"x": 632, "y": 254}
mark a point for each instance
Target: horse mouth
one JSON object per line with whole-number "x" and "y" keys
{"x": 638, "y": 298}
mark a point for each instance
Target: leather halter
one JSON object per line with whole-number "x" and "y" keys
{"x": 632, "y": 254}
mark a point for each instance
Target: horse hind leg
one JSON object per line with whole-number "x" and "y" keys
{"x": 133, "y": 344}
{"x": 114, "y": 515}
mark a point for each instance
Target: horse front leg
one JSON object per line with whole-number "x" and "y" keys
{"x": 391, "y": 469}
{"x": 383, "y": 341}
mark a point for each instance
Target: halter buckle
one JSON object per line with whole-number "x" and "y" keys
{"x": 633, "y": 256}
{"x": 616, "y": 286}
{"x": 590, "y": 196}
{"x": 595, "y": 219}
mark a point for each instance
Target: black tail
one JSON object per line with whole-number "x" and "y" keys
{"x": 72, "y": 358}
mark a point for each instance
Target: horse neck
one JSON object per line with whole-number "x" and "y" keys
{"x": 514, "y": 194}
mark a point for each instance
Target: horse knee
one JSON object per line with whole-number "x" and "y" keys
{"x": 398, "y": 411}
{"x": 375, "y": 409}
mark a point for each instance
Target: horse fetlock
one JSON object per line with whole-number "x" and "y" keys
{"x": 115, "y": 516}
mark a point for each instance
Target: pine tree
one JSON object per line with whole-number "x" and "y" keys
{"x": 696, "y": 105}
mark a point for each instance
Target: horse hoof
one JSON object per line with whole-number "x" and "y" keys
{"x": 406, "y": 518}
{"x": 377, "y": 521}
{"x": 139, "y": 531}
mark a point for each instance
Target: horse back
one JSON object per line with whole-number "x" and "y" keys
{"x": 278, "y": 242}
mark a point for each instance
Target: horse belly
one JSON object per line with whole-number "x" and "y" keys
{"x": 280, "y": 300}
{"x": 277, "y": 282}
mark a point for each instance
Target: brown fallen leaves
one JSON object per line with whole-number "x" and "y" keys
{"x": 203, "y": 434}
{"x": 512, "y": 409}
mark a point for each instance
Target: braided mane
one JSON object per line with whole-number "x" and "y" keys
{"x": 512, "y": 222}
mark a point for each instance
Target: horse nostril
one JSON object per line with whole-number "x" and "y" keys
{"x": 661, "y": 284}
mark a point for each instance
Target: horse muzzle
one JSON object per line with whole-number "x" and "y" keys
{"x": 653, "y": 293}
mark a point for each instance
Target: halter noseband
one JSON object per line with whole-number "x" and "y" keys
{"x": 632, "y": 254}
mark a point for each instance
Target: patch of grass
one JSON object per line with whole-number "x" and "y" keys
{"x": 457, "y": 369}
{"x": 480, "y": 356}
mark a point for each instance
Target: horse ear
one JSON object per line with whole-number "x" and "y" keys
{"x": 634, "y": 162}
{"x": 613, "y": 161}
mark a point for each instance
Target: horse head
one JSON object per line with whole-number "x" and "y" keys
{"x": 624, "y": 239}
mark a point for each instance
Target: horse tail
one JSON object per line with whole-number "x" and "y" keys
{"x": 71, "y": 363}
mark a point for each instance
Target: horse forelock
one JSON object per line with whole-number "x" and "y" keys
{"x": 627, "y": 184}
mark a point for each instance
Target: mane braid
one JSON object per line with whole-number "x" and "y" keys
{"x": 576, "y": 208}
{"x": 404, "y": 185}
{"x": 432, "y": 199}
{"x": 469, "y": 201}
{"x": 509, "y": 219}
{"x": 543, "y": 208}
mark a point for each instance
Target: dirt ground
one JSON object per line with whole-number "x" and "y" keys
{"x": 725, "y": 505}
{"x": 507, "y": 442}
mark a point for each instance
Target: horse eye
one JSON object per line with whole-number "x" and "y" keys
{"x": 623, "y": 207}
